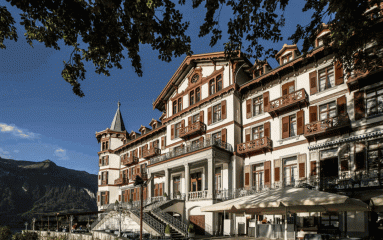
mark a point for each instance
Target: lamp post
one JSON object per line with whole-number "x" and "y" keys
{"x": 57, "y": 222}
{"x": 117, "y": 207}
{"x": 26, "y": 226}
{"x": 71, "y": 224}
{"x": 141, "y": 183}
{"x": 48, "y": 223}
{"x": 33, "y": 221}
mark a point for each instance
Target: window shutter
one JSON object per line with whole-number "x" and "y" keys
{"x": 140, "y": 151}
{"x": 313, "y": 168}
{"x": 302, "y": 165}
{"x": 313, "y": 114}
{"x": 189, "y": 121}
{"x": 161, "y": 189}
{"x": 107, "y": 197}
{"x": 313, "y": 82}
{"x": 99, "y": 162}
{"x": 248, "y": 108}
{"x": 98, "y": 198}
{"x": 266, "y": 101}
{"x": 277, "y": 170}
{"x": 266, "y": 127}
{"x": 201, "y": 117}
{"x": 247, "y": 135}
{"x": 300, "y": 122}
{"x": 223, "y": 109}
{"x": 223, "y": 135}
{"x": 338, "y": 73}
{"x": 285, "y": 89}
{"x": 285, "y": 127}
{"x": 267, "y": 167}
{"x": 107, "y": 160}
{"x": 172, "y": 132}
{"x": 342, "y": 105}
{"x": 99, "y": 176}
{"x": 201, "y": 139}
{"x": 247, "y": 176}
{"x": 163, "y": 143}
{"x": 183, "y": 123}
{"x": 209, "y": 110}
{"x": 119, "y": 198}
{"x": 359, "y": 105}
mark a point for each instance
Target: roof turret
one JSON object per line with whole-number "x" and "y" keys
{"x": 118, "y": 123}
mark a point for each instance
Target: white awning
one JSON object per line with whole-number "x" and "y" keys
{"x": 377, "y": 203}
{"x": 294, "y": 199}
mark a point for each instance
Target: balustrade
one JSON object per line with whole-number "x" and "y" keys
{"x": 327, "y": 125}
{"x": 174, "y": 222}
{"x": 121, "y": 181}
{"x": 194, "y": 128}
{"x": 289, "y": 100}
{"x": 255, "y": 145}
{"x": 197, "y": 195}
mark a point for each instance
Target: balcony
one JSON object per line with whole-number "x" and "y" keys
{"x": 295, "y": 99}
{"x": 129, "y": 160}
{"x": 151, "y": 152}
{"x": 104, "y": 182}
{"x": 121, "y": 181}
{"x": 194, "y": 129}
{"x": 144, "y": 176}
{"x": 331, "y": 126}
{"x": 191, "y": 148}
{"x": 260, "y": 145}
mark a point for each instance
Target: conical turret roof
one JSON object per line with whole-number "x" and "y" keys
{"x": 117, "y": 123}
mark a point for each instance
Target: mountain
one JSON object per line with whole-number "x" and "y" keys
{"x": 30, "y": 188}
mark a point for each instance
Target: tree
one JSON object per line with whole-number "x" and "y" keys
{"x": 5, "y": 233}
{"x": 107, "y": 27}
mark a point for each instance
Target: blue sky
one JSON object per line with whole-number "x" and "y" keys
{"x": 41, "y": 118}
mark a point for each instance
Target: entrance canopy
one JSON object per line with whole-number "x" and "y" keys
{"x": 276, "y": 201}
{"x": 377, "y": 203}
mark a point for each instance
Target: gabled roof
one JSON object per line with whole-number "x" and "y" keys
{"x": 159, "y": 123}
{"x": 117, "y": 123}
{"x": 143, "y": 127}
{"x": 286, "y": 47}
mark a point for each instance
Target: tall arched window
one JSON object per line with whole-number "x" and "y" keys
{"x": 197, "y": 95}
{"x": 219, "y": 83}
{"x": 212, "y": 86}
{"x": 191, "y": 98}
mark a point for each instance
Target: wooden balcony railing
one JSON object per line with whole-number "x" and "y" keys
{"x": 142, "y": 175}
{"x": 121, "y": 181}
{"x": 327, "y": 125}
{"x": 104, "y": 182}
{"x": 129, "y": 160}
{"x": 195, "y": 128}
{"x": 151, "y": 152}
{"x": 261, "y": 144}
{"x": 293, "y": 99}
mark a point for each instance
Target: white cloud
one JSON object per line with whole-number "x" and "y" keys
{"x": 4, "y": 154}
{"x": 61, "y": 154}
{"x": 16, "y": 151}
{"x": 11, "y": 128}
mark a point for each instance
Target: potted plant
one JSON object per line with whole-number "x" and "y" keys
{"x": 165, "y": 195}
{"x": 191, "y": 232}
{"x": 178, "y": 194}
{"x": 167, "y": 231}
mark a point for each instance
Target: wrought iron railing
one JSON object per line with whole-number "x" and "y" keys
{"x": 198, "y": 195}
{"x": 254, "y": 145}
{"x": 191, "y": 148}
{"x": 194, "y": 128}
{"x": 172, "y": 221}
{"x": 151, "y": 152}
{"x": 287, "y": 100}
{"x": 151, "y": 221}
{"x": 322, "y": 126}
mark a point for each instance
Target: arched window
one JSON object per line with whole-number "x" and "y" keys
{"x": 197, "y": 95}
{"x": 219, "y": 83}
{"x": 179, "y": 104}
{"x": 191, "y": 98}
{"x": 212, "y": 86}
{"x": 174, "y": 107}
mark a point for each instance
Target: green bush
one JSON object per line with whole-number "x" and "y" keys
{"x": 25, "y": 236}
{"x": 5, "y": 233}
{"x": 167, "y": 229}
{"x": 191, "y": 228}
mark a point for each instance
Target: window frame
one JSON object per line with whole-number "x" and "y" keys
{"x": 328, "y": 110}
{"x": 376, "y": 96}
{"x": 191, "y": 96}
{"x": 195, "y": 118}
{"x": 214, "y": 138}
{"x": 197, "y": 94}
{"x": 175, "y": 106}
{"x": 259, "y": 132}
{"x": 220, "y": 80}
{"x": 259, "y": 103}
{"x": 179, "y": 104}
{"x": 176, "y": 130}
{"x": 217, "y": 112}
{"x": 332, "y": 66}
{"x": 288, "y": 57}
{"x": 212, "y": 86}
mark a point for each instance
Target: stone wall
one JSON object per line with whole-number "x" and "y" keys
{"x": 93, "y": 235}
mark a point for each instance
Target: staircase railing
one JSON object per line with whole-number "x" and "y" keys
{"x": 172, "y": 221}
{"x": 152, "y": 222}
{"x": 99, "y": 219}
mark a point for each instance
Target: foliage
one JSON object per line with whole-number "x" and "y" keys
{"x": 25, "y": 236}
{"x": 178, "y": 193}
{"x": 167, "y": 229}
{"x": 191, "y": 228}
{"x": 165, "y": 195}
{"x": 5, "y": 233}
{"x": 107, "y": 28}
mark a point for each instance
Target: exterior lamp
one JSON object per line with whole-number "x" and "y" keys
{"x": 26, "y": 226}
{"x": 140, "y": 182}
{"x": 33, "y": 225}
{"x": 71, "y": 223}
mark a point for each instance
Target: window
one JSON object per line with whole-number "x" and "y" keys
{"x": 179, "y": 104}
{"x": 195, "y": 144}
{"x": 287, "y": 58}
{"x": 257, "y": 105}
{"x": 327, "y": 111}
{"x": 103, "y": 198}
{"x": 195, "y": 118}
{"x": 326, "y": 78}
{"x": 212, "y": 87}
{"x": 176, "y": 185}
{"x": 375, "y": 156}
{"x": 258, "y": 72}
{"x": 197, "y": 95}
{"x": 219, "y": 83}
{"x": 177, "y": 130}
{"x": 289, "y": 126}
{"x": 320, "y": 42}
{"x": 257, "y": 132}
{"x": 374, "y": 102}
{"x": 293, "y": 126}
{"x": 174, "y": 107}
{"x": 290, "y": 170}
{"x": 216, "y": 137}
{"x": 216, "y": 113}
{"x": 258, "y": 177}
{"x": 196, "y": 182}
{"x": 218, "y": 180}
{"x": 191, "y": 98}
{"x": 154, "y": 126}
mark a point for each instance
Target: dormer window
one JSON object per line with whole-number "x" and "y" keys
{"x": 287, "y": 58}
{"x": 154, "y": 126}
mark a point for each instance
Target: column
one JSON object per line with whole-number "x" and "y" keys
{"x": 150, "y": 186}
{"x": 167, "y": 189}
{"x": 187, "y": 181}
{"x": 211, "y": 178}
